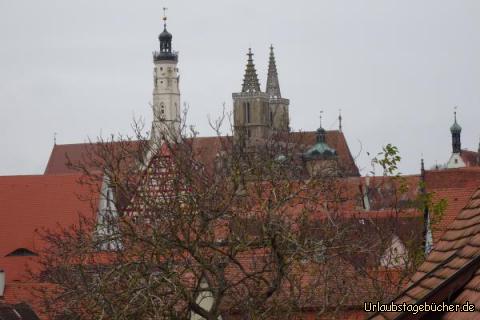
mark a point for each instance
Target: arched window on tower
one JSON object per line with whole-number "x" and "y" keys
{"x": 162, "y": 111}
{"x": 246, "y": 112}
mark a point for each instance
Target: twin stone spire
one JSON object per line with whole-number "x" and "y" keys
{"x": 258, "y": 114}
{"x": 251, "y": 83}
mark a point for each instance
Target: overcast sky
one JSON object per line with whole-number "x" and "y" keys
{"x": 396, "y": 68}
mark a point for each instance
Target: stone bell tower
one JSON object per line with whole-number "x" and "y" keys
{"x": 251, "y": 108}
{"x": 166, "y": 93}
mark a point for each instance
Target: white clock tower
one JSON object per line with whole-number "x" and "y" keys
{"x": 166, "y": 93}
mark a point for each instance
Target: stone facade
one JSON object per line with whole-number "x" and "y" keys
{"x": 166, "y": 92}
{"x": 257, "y": 114}
{"x": 280, "y": 119}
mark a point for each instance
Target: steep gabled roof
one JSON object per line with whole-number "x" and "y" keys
{"x": 456, "y": 186}
{"x": 336, "y": 140}
{"x": 206, "y": 147}
{"x": 451, "y": 272}
{"x": 79, "y": 152}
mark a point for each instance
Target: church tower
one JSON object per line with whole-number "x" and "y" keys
{"x": 166, "y": 93}
{"x": 251, "y": 109}
{"x": 456, "y": 160}
{"x": 278, "y": 106}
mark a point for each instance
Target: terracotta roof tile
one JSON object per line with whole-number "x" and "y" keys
{"x": 454, "y": 185}
{"x": 30, "y": 203}
{"x": 448, "y": 269}
{"x": 208, "y": 147}
{"x": 470, "y": 158}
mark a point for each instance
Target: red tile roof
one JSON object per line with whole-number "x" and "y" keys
{"x": 336, "y": 140}
{"x": 454, "y": 185}
{"x": 30, "y": 203}
{"x": 470, "y": 158}
{"x": 81, "y": 153}
{"x": 208, "y": 147}
{"x": 451, "y": 270}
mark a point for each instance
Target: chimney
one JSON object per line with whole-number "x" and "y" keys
{"x": 2, "y": 282}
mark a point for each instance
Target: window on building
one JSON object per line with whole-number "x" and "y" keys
{"x": 21, "y": 252}
{"x": 162, "y": 111}
{"x": 246, "y": 112}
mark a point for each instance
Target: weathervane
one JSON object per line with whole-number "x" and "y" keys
{"x": 321, "y": 111}
{"x": 165, "y": 17}
{"x": 455, "y": 113}
{"x": 54, "y": 138}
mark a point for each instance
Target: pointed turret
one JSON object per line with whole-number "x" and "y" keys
{"x": 456, "y": 160}
{"x": 456, "y": 130}
{"x": 250, "y": 80}
{"x": 273, "y": 86}
{"x": 279, "y": 117}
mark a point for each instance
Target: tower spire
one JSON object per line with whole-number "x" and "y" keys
{"x": 250, "y": 80}
{"x": 340, "y": 120}
{"x": 456, "y": 130}
{"x": 273, "y": 86}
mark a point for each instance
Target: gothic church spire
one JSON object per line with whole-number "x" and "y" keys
{"x": 250, "y": 80}
{"x": 273, "y": 86}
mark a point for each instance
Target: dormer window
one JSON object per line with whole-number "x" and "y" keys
{"x": 21, "y": 252}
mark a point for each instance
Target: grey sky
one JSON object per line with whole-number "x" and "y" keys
{"x": 395, "y": 68}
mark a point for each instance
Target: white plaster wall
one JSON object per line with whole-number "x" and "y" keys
{"x": 395, "y": 255}
{"x": 455, "y": 161}
{"x": 166, "y": 98}
{"x": 204, "y": 299}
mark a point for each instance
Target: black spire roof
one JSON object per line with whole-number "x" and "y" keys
{"x": 455, "y": 126}
{"x": 165, "y": 39}
{"x": 456, "y": 130}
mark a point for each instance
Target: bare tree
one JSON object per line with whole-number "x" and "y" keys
{"x": 196, "y": 228}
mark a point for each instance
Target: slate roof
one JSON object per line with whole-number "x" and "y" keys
{"x": 451, "y": 271}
